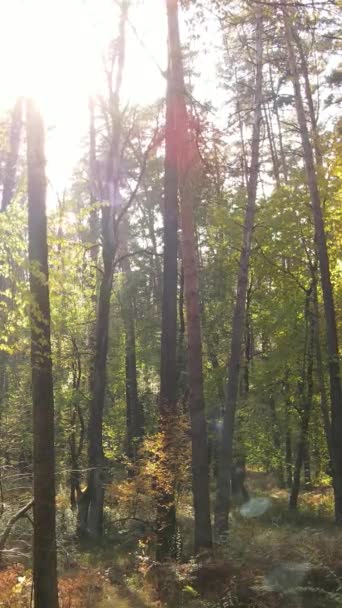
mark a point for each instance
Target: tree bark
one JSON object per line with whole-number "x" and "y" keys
{"x": 44, "y": 545}
{"x": 309, "y": 98}
{"x": 187, "y": 162}
{"x": 12, "y": 521}
{"x": 95, "y": 487}
{"x": 248, "y": 339}
{"x": 226, "y": 448}
{"x": 320, "y": 373}
{"x": 328, "y": 298}
{"x": 166, "y": 512}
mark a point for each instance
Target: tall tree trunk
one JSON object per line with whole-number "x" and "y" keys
{"x": 288, "y": 436}
{"x": 329, "y": 307}
{"x": 135, "y": 414}
{"x": 187, "y": 161}
{"x": 77, "y": 429}
{"x": 280, "y": 134}
{"x": 309, "y": 98}
{"x": 226, "y": 448}
{"x": 44, "y": 543}
{"x": 307, "y": 464}
{"x": 94, "y": 195}
{"x": 92, "y": 501}
{"x": 307, "y": 394}
{"x": 320, "y": 373}
{"x": 135, "y": 428}
{"x": 166, "y": 512}
{"x": 95, "y": 487}
{"x": 134, "y": 409}
{"x": 248, "y": 338}
{"x": 244, "y": 163}
{"x": 277, "y": 443}
{"x": 288, "y": 458}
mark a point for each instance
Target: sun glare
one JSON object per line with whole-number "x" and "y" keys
{"x": 53, "y": 51}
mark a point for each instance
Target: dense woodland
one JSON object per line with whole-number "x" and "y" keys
{"x": 170, "y": 391}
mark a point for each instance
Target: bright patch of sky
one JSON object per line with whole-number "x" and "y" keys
{"x": 53, "y": 51}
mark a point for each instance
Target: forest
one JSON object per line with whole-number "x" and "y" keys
{"x": 171, "y": 304}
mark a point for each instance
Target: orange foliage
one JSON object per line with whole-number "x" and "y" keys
{"x": 164, "y": 463}
{"x": 78, "y": 591}
{"x": 14, "y": 587}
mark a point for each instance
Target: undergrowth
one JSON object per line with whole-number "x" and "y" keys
{"x": 277, "y": 559}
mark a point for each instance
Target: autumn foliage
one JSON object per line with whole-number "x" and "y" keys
{"x": 77, "y": 591}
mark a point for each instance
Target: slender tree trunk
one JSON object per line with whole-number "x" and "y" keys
{"x": 92, "y": 501}
{"x": 83, "y": 499}
{"x": 288, "y": 458}
{"x": 157, "y": 273}
{"x": 280, "y": 134}
{"x": 293, "y": 501}
{"x": 320, "y": 373}
{"x": 226, "y": 448}
{"x": 248, "y": 338}
{"x": 77, "y": 430}
{"x": 244, "y": 163}
{"x": 44, "y": 544}
{"x": 329, "y": 307}
{"x": 307, "y": 394}
{"x": 187, "y": 161}
{"x": 94, "y": 195}
{"x": 309, "y": 98}
{"x": 166, "y": 512}
{"x": 135, "y": 414}
{"x": 95, "y": 488}
{"x": 135, "y": 427}
{"x": 288, "y": 436}
{"x": 134, "y": 410}
{"x": 307, "y": 464}
{"x": 277, "y": 443}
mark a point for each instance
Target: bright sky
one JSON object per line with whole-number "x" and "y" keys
{"x": 52, "y": 50}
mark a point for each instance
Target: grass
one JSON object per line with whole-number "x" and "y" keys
{"x": 279, "y": 559}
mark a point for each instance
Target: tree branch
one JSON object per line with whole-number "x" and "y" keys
{"x": 21, "y": 513}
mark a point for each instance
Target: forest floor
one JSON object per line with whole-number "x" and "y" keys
{"x": 271, "y": 558}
